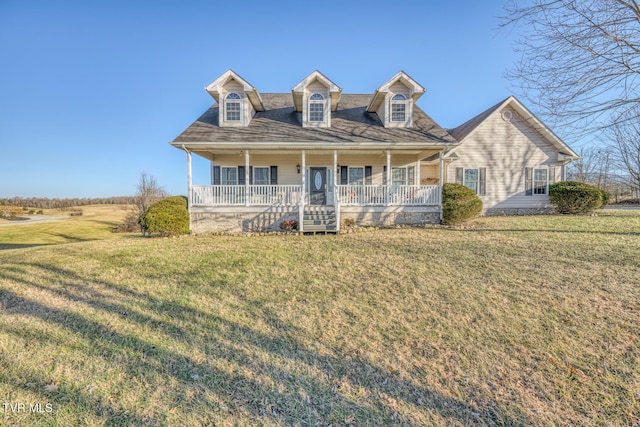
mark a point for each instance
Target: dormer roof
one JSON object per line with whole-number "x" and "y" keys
{"x": 379, "y": 95}
{"x": 215, "y": 89}
{"x": 298, "y": 90}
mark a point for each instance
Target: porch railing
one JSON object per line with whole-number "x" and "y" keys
{"x": 236, "y": 195}
{"x": 415, "y": 195}
{"x": 406, "y": 195}
{"x": 348, "y": 195}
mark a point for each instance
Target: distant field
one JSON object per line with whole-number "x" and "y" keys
{"x": 95, "y": 223}
{"x": 513, "y": 321}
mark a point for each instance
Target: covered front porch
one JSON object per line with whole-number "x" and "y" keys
{"x": 255, "y": 189}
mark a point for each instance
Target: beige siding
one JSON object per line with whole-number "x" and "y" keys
{"x": 429, "y": 174}
{"x": 287, "y": 172}
{"x": 505, "y": 149}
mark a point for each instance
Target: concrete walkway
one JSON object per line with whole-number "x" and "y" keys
{"x": 30, "y": 219}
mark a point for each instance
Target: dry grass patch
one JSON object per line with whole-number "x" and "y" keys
{"x": 509, "y": 321}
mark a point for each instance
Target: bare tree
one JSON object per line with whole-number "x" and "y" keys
{"x": 584, "y": 169}
{"x": 626, "y": 138}
{"x": 580, "y": 60}
{"x": 148, "y": 191}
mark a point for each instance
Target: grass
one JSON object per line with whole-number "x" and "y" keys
{"x": 505, "y": 321}
{"x": 94, "y": 224}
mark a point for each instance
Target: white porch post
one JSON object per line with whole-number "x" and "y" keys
{"x": 441, "y": 181}
{"x": 335, "y": 176}
{"x": 303, "y": 170}
{"x": 417, "y": 173}
{"x": 388, "y": 197}
{"x": 246, "y": 177}
{"x": 189, "y": 184}
{"x": 336, "y": 201}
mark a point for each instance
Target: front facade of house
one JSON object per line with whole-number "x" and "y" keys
{"x": 323, "y": 158}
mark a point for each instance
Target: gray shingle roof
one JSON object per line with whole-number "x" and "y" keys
{"x": 280, "y": 123}
{"x": 466, "y": 128}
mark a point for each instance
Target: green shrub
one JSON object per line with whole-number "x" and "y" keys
{"x": 168, "y": 217}
{"x": 605, "y": 198}
{"x": 459, "y": 203}
{"x": 573, "y": 197}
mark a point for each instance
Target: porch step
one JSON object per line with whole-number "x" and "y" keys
{"x": 319, "y": 219}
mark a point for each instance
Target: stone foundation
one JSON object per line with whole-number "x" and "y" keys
{"x": 390, "y": 216}
{"x": 264, "y": 219}
{"x": 519, "y": 211}
{"x": 249, "y": 219}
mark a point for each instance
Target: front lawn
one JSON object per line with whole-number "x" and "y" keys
{"x": 503, "y": 321}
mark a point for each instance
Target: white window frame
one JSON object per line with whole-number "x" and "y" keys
{"x": 349, "y": 175}
{"x": 399, "y": 100}
{"x": 316, "y": 99}
{"x": 477, "y": 181}
{"x": 223, "y": 175}
{"x": 268, "y": 175}
{"x": 534, "y": 187}
{"x": 406, "y": 175}
{"x": 231, "y": 100}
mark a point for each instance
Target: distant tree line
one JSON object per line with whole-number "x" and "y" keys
{"x": 58, "y": 203}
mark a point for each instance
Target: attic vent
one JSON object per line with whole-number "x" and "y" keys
{"x": 507, "y": 115}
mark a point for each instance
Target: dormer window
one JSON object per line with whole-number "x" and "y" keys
{"x": 393, "y": 101}
{"x": 232, "y": 107}
{"x": 398, "y": 108}
{"x": 237, "y": 100}
{"x": 316, "y": 108}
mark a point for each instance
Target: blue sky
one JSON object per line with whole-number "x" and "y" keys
{"x": 91, "y": 92}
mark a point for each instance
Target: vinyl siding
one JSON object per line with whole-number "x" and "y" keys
{"x": 505, "y": 149}
{"x": 287, "y": 172}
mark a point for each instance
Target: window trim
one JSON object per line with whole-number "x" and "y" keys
{"x": 222, "y": 175}
{"x": 481, "y": 184}
{"x": 349, "y": 175}
{"x": 535, "y": 182}
{"x": 229, "y": 100}
{"x": 316, "y": 99}
{"x": 530, "y": 188}
{"x": 268, "y": 175}
{"x": 398, "y": 100}
{"x": 406, "y": 175}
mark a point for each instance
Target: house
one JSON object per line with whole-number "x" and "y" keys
{"x": 509, "y": 158}
{"x": 321, "y": 157}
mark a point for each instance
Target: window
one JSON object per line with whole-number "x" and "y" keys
{"x": 316, "y": 108}
{"x": 537, "y": 180}
{"x": 473, "y": 178}
{"x": 232, "y": 107}
{"x": 261, "y": 175}
{"x": 399, "y": 176}
{"x": 398, "y": 108}
{"x": 229, "y": 176}
{"x": 356, "y": 176}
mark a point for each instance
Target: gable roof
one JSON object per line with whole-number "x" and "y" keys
{"x": 298, "y": 90}
{"x": 280, "y": 125}
{"x": 468, "y": 128}
{"x": 214, "y": 88}
{"x": 416, "y": 89}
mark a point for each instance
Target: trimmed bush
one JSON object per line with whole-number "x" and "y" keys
{"x": 573, "y": 197}
{"x": 459, "y": 203}
{"x": 168, "y": 217}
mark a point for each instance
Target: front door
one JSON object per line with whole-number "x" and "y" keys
{"x": 318, "y": 185}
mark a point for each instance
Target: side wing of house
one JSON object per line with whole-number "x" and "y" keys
{"x": 509, "y": 158}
